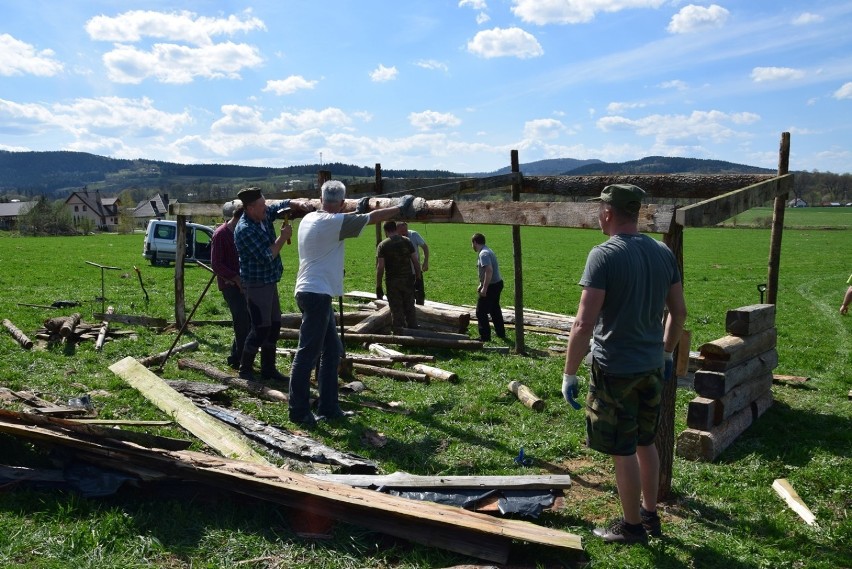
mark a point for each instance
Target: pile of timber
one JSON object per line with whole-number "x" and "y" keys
{"x": 733, "y": 384}
{"x": 72, "y": 329}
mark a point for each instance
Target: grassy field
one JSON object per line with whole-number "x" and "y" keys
{"x": 796, "y": 218}
{"x": 723, "y": 514}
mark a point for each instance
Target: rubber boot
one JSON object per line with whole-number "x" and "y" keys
{"x": 267, "y": 365}
{"x": 247, "y": 364}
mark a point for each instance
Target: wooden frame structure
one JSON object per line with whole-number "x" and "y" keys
{"x": 720, "y": 197}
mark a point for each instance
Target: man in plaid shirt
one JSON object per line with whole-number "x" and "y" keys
{"x": 260, "y": 270}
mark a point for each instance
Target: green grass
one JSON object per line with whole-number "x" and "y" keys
{"x": 797, "y": 218}
{"x": 723, "y": 514}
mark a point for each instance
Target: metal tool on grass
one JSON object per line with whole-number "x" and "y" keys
{"x": 103, "y": 294}
{"x": 188, "y": 318}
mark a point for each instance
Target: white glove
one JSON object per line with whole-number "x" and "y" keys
{"x": 571, "y": 389}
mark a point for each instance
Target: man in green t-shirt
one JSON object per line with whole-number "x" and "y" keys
{"x": 395, "y": 256}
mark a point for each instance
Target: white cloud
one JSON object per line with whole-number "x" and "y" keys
{"x": 289, "y": 85}
{"x": 505, "y": 42}
{"x": 694, "y": 18}
{"x": 759, "y": 74}
{"x": 429, "y": 120}
{"x": 543, "y": 129}
{"x": 171, "y": 63}
{"x": 95, "y": 117}
{"x": 676, "y": 84}
{"x": 711, "y": 125}
{"x": 544, "y": 12}
{"x": 845, "y": 92}
{"x": 183, "y": 26}
{"x": 475, "y": 4}
{"x": 432, "y": 65}
{"x": 382, "y": 74}
{"x": 482, "y": 18}
{"x": 616, "y": 107}
{"x": 806, "y": 18}
{"x": 18, "y": 58}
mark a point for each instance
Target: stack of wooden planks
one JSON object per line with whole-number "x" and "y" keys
{"x": 733, "y": 384}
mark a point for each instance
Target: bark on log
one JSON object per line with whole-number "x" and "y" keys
{"x": 431, "y": 316}
{"x": 733, "y": 350}
{"x": 253, "y": 387}
{"x": 391, "y": 373}
{"x": 398, "y": 340}
{"x": 526, "y": 396}
{"x": 71, "y": 322}
{"x": 750, "y": 320}
{"x": 19, "y": 336}
{"x": 373, "y": 323}
{"x": 693, "y": 444}
{"x": 99, "y": 343}
{"x": 703, "y": 415}
{"x": 157, "y": 359}
{"x": 715, "y": 384}
{"x": 420, "y": 333}
{"x": 396, "y": 356}
{"x": 430, "y": 371}
{"x": 677, "y": 186}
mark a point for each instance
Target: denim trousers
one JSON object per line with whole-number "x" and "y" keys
{"x": 236, "y": 302}
{"x": 489, "y": 305}
{"x": 318, "y": 341}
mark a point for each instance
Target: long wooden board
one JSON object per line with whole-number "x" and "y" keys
{"x": 406, "y": 480}
{"x": 213, "y": 432}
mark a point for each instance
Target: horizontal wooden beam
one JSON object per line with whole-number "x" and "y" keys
{"x": 674, "y": 186}
{"x": 720, "y": 208}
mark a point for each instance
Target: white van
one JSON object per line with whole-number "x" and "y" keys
{"x": 161, "y": 242}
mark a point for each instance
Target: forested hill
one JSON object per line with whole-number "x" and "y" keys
{"x": 667, "y": 165}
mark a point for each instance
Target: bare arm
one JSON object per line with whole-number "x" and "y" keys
{"x": 591, "y": 301}
{"x": 425, "y": 248}
{"x": 676, "y": 305}
{"x": 417, "y": 273}
{"x": 847, "y": 299}
{"x": 380, "y": 270}
{"x": 486, "y": 280}
{"x": 384, "y": 214}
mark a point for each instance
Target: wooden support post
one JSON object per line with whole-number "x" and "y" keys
{"x": 517, "y": 254}
{"x": 777, "y": 224}
{"x": 379, "y": 236}
{"x": 180, "y": 255}
{"x": 666, "y": 430}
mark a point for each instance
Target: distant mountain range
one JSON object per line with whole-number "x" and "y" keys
{"x": 57, "y": 173}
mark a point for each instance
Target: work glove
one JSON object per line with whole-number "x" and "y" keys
{"x": 406, "y": 206}
{"x": 380, "y": 294}
{"x": 570, "y": 389}
{"x": 668, "y": 365}
{"x": 363, "y": 205}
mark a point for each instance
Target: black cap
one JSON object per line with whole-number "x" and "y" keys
{"x": 249, "y": 195}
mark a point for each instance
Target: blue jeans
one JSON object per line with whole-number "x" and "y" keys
{"x": 318, "y": 341}
{"x": 236, "y": 302}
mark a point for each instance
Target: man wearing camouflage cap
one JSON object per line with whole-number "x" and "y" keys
{"x": 628, "y": 282}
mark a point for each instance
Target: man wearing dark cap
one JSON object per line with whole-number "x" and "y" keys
{"x": 628, "y": 282}
{"x": 226, "y": 264}
{"x": 260, "y": 270}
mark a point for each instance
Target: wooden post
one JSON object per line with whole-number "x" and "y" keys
{"x": 777, "y": 224}
{"x": 99, "y": 343}
{"x": 379, "y": 235}
{"x": 666, "y": 431}
{"x": 180, "y": 255}
{"x": 520, "y": 347}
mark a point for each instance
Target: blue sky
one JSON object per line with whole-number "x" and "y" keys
{"x": 429, "y": 84}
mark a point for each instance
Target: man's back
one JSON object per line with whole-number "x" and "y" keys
{"x": 396, "y": 250}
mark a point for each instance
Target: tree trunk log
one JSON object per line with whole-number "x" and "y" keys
{"x": 157, "y": 359}
{"x": 526, "y": 396}
{"x": 70, "y": 323}
{"x": 399, "y": 340}
{"x": 715, "y": 384}
{"x": 391, "y": 373}
{"x": 99, "y": 343}
{"x": 732, "y": 350}
{"x": 377, "y": 321}
{"x": 19, "y": 336}
{"x": 396, "y": 356}
{"x": 750, "y": 320}
{"x": 252, "y": 387}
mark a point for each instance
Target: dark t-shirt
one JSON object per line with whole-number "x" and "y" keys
{"x": 396, "y": 250}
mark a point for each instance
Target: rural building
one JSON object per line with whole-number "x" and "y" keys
{"x": 156, "y": 207}
{"x": 797, "y": 202}
{"x": 9, "y": 213}
{"x": 101, "y": 211}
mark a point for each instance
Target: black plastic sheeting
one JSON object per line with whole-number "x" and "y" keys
{"x": 525, "y": 503}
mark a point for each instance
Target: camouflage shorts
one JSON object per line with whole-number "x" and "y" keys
{"x": 622, "y": 411}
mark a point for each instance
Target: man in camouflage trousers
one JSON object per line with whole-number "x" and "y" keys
{"x": 395, "y": 257}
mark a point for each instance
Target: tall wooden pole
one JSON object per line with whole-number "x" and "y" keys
{"x": 180, "y": 256}
{"x": 379, "y": 236}
{"x": 777, "y": 224}
{"x": 665, "y": 440}
{"x": 520, "y": 347}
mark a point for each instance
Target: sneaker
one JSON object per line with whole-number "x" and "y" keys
{"x": 622, "y": 532}
{"x": 651, "y": 522}
{"x": 339, "y": 414}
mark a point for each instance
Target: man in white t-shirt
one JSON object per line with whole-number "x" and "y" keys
{"x": 419, "y": 243}
{"x": 320, "y": 277}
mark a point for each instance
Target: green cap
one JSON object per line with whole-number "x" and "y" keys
{"x": 249, "y": 195}
{"x": 622, "y": 196}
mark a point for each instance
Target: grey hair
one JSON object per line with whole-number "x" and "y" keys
{"x": 333, "y": 191}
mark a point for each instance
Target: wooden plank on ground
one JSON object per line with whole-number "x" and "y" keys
{"x": 783, "y": 488}
{"x": 435, "y": 525}
{"x": 406, "y": 480}
{"x": 212, "y": 432}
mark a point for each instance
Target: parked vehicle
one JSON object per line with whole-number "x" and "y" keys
{"x": 161, "y": 242}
